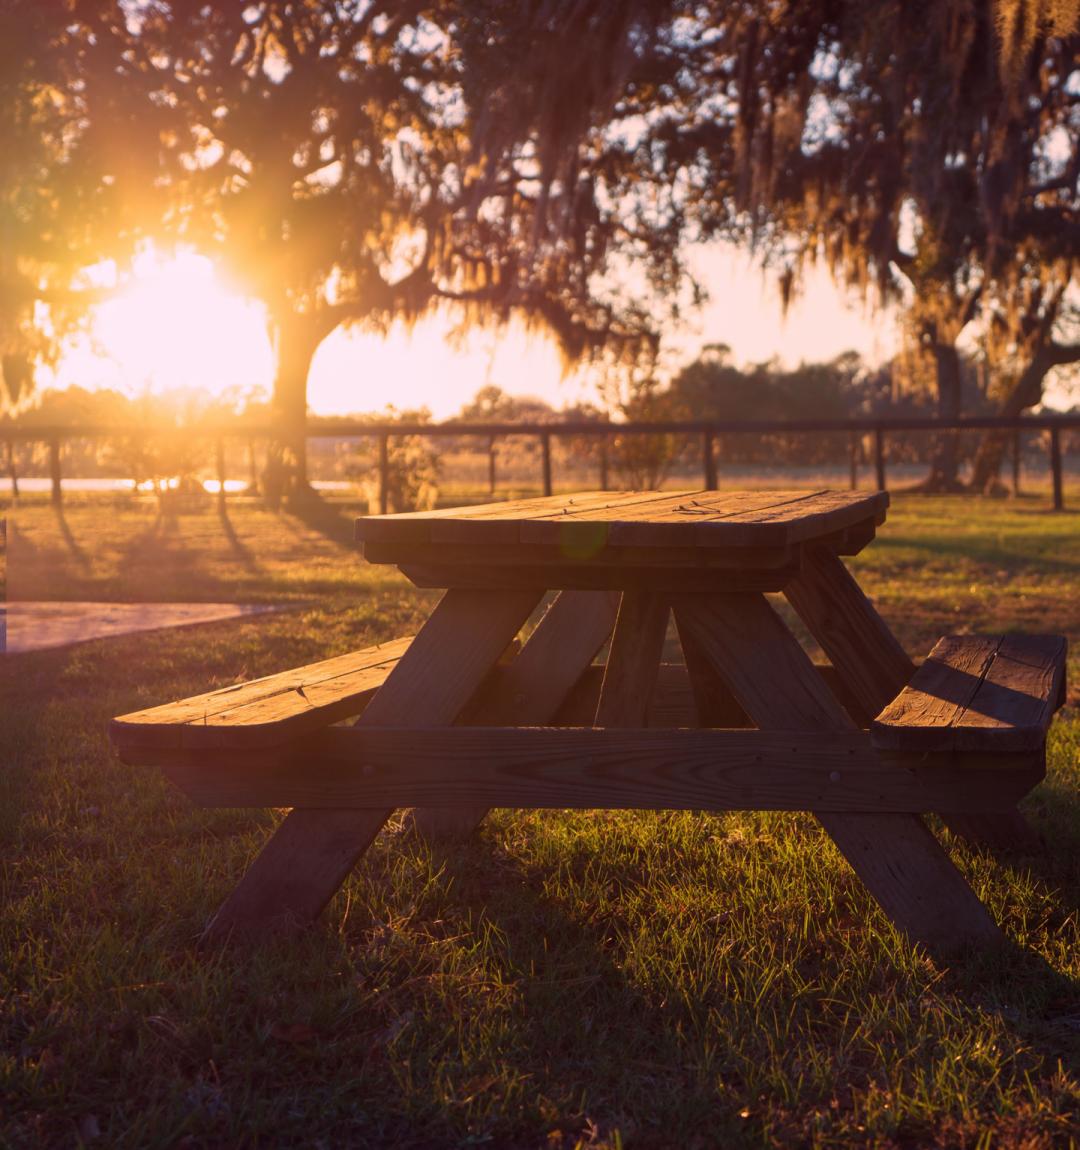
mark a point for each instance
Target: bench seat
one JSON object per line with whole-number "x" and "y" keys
{"x": 263, "y": 712}
{"x": 270, "y": 712}
{"x": 977, "y": 694}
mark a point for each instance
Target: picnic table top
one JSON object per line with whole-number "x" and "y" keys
{"x": 639, "y": 519}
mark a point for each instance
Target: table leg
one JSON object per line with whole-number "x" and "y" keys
{"x": 714, "y": 703}
{"x": 311, "y": 854}
{"x": 875, "y": 668}
{"x": 533, "y": 686}
{"x": 901, "y": 863}
{"x": 634, "y": 660}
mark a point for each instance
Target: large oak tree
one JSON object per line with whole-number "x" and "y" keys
{"x": 353, "y": 163}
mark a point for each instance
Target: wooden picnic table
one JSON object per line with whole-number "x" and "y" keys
{"x": 745, "y": 721}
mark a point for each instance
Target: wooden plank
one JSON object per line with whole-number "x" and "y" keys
{"x": 875, "y": 668}
{"x": 526, "y": 700}
{"x": 484, "y": 531}
{"x": 993, "y": 694}
{"x": 852, "y": 634}
{"x": 312, "y": 851}
{"x": 531, "y": 689}
{"x": 265, "y": 710}
{"x": 593, "y": 577}
{"x": 650, "y": 519}
{"x": 556, "y": 656}
{"x": 587, "y": 768}
{"x": 714, "y": 703}
{"x": 419, "y": 526}
{"x": 634, "y": 660}
{"x": 717, "y": 519}
{"x": 674, "y": 520}
{"x": 597, "y": 553}
{"x": 672, "y": 703}
{"x": 901, "y": 863}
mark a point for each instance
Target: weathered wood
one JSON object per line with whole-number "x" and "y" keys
{"x": 593, "y": 550}
{"x": 901, "y": 863}
{"x": 441, "y": 525}
{"x": 633, "y": 660}
{"x": 874, "y": 667}
{"x": 505, "y": 696}
{"x": 589, "y": 577}
{"x": 264, "y": 711}
{"x": 644, "y": 519}
{"x": 587, "y": 768}
{"x": 312, "y": 851}
{"x": 718, "y": 519}
{"x": 852, "y": 634}
{"x": 530, "y": 689}
{"x": 991, "y": 694}
{"x": 714, "y": 703}
{"x": 672, "y": 703}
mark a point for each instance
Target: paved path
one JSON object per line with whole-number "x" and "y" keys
{"x": 35, "y": 626}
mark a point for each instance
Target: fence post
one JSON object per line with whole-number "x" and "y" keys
{"x": 853, "y": 461}
{"x": 13, "y": 471}
{"x": 1055, "y": 468}
{"x": 1016, "y": 462}
{"x": 604, "y": 462}
{"x": 545, "y": 446}
{"x": 384, "y": 473}
{"x": 708, "y": 459}
{"x": 491, "y": 465}
{"x": 879, "y": 457}
{"x": 220, "y": 459}
{"x": 54, "y": 470}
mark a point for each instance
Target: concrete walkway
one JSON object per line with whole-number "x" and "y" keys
{"x": 36, "y": 626}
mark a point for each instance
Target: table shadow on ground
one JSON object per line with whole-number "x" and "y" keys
{"x": 1037, "y": 1004}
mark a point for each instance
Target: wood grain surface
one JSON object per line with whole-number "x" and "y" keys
{"x": 694, "y": 518}
{"x": 585, "y": 767}
{"x": 994, "y": 694}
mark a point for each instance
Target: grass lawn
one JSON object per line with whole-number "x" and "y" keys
{"x": 564, "y": 979}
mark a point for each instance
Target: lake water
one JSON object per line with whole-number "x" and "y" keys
{"x": 39, "y": 484}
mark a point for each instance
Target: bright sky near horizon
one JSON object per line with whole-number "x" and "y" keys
{"x": 177, "y": 327}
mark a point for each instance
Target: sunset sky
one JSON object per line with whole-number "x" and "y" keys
{"x": 178, "y": 327}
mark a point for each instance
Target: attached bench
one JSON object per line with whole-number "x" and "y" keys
{"x": 272, "y": 711}
{"x": 992, "y": 695}
{"x": 263, "y": 712}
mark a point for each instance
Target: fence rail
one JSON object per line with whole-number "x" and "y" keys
{"x": 706, "y": 430}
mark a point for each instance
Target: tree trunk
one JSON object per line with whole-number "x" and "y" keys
{"x": 1025, "y": 392}
{"x": 286, "y": 465}
{"x": 945, "y": 465}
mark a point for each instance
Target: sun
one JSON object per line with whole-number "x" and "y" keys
{"x": 177, "y": 327}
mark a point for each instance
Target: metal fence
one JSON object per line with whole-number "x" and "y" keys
{"x": 707, "y": 433}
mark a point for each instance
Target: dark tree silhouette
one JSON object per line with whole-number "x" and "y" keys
{"x": 354, "y": 163}
{"x": 915, "y": 148}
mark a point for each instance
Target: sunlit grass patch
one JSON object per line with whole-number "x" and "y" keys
{"x": 598, "y": 978}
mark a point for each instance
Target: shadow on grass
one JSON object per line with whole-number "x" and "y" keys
{"x": 625, "y": 1053}
{"x": 23, "y": 721}
{"x": 73, "y": 545}
{"x": 335, "y": 523}
{"x": 239, "y": 549}
{"x": 998, "y": 557}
